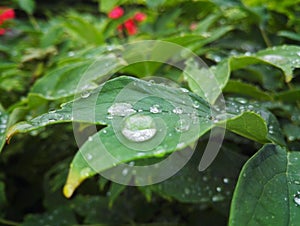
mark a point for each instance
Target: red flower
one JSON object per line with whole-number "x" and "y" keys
{"x": 7, "y": 14}
{"x": 130, "y": 27}
{"x": 116, "y": 13}
{"x": 139, "y": 17}
{"x": 2, "y": 31}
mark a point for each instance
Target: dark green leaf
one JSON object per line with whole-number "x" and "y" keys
{"x": 291, "y": 131}
{"x": 27, "y": 5}
{"x": 267, "y": 192}
{"x": 214, "y": 185}
{"x": 61, "y": 216}
{"x": 245, "y": 89}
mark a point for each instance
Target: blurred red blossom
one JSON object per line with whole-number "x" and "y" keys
{"x": 116, "y": 13}
{"x": 5, "y": 14}
{"x": 130, "y": 27}
{"x": 2, "y": 31}
{"x": 139, "y": 17}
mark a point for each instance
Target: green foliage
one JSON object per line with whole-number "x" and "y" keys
{"x": 66, "y": 70}
{"x": 270, "y": 176}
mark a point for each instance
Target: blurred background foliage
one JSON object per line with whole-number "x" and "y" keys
{"x": 61, "y": 37}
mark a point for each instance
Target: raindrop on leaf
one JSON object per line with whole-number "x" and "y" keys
{"x": 139, "y": 128}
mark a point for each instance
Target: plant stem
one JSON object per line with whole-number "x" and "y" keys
{"x": 8, "y": 222}
{"x": 265, "y": 37}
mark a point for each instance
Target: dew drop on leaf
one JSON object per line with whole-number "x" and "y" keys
{"x": 297, "y": 198}
{"x": 184, "y": 90}
{"x": 85, "y": 172}
{"x": 187, "y": 191}
{"x": 182, "y": 125}
{"x": 155, "y": 109}
{"x": 85, "y": 94}
{"x": 177, "y": 110}
{"x": 121, "y": 109}
{"x": 89, "y": 156}
{"x": 139, "y": 128}
{"x": 125, "y": 171}
{"x": 225, "y": 180}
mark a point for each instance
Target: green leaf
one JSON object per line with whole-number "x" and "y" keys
{"x": 107, "y": 6}
{"x": 284, "y": 57}
{"x": 61, "y": 216}
{"x": 267, "y": 192}
{"x": 292, "y": 95}
{"x": 84, "y": 29}
{"x": 129, "y": 104}
{"x": 251, "y": 120}
{"x": 3, "y": 126}
{"x": 27, "y": 5}
{"x": 114, "y": 192}
{"x": 214, "y": 185}
{"x": 246, "y": 89}
{"x": 64, "y": 81}
{"x": 290, "y": 35}
{"x": 168, "y": 111}
{"x": 291, "y": 131}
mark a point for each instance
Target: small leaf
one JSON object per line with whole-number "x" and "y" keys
{"x": 268, "y": 188}
{"x": 292, "y": 95}
{"x": 245, "y": 89}
{"x": 284, "y": 57}
{"x": 63, "y": 82}
{"x": 251, "y": 120}
{"x": 291, "y": 131}
{"x": 27, "y": 5}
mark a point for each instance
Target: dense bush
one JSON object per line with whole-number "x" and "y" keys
{"x": 251, "y": 48}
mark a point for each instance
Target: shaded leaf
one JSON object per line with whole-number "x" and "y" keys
{"x": 214, "y": 185}
{"x": 245, "y": 89}
{"x": 267, "y": 190}
{"x": 64, "y": 81}
{"x": 61, "y": 216}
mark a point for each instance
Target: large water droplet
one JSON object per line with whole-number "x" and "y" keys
{"x": 121, "y": 109}
{"x": 182, "y": 125}
{"x": 139, "y": 128}
{"x": 155, "y": 109}
{"x": 297, "y": 198}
